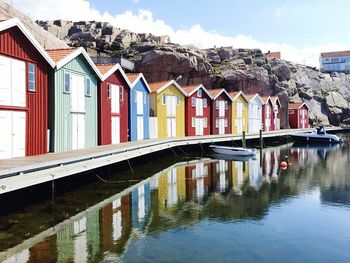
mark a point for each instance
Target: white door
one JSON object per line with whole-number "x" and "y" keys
{"x": 303, "y": 119}
{"x": 199, "y": 126}
{"x": 239, "y": 125}
{"x": 115, "y": 100}
{"x": 221, "y": 108}
{"x": 171, "y": 102}
{"x": 18, "y": 133}
{"x": 139, "y": 102}
{"x": 78, "y": 131}
{"x": 171, "y": 127}
{"x": 77, "y": 93}
{"x": 5, "y": 134}
{"x": 12, "y": 134}
{"x": 140, "y": 128}
{"x": 199, "y": 107}
{"x": 13, "y": 82}
{"x": 115, "y": 129}
{"x": 221, "y": 126}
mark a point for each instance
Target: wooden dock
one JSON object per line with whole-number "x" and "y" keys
{"x": 24, "y": 172}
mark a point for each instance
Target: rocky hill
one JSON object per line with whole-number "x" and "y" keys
{"x": 249, "y": 70}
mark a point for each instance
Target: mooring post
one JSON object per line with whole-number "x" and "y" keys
{"x": 244, "y": 144}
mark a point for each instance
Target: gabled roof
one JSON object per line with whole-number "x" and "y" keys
{"x": 215, "y": 93}
{"x": 266, "y": 99}
{"x": 275, "y": 100}
{"x": 107, "y": 70}
{"x": 191, "y": 89}
{"x": 296, "y": 106}
{"x": 64, "y": 55}
{"x": 235, "y": 94}
{"x": 135, "y": 77}
{"x": 15, "y": 22}
{"x": 251, "y": 97}
{"x": 162, "y": 85}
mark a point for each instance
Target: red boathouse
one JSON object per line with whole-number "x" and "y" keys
{"x": 113, "y": 100}
{"x": 24, "y": 67}
{"x": 197, "y": 110}
{"x": 221, "y": 111}
{"x": 267, "y": 113}
{"x": 298, "y": 115}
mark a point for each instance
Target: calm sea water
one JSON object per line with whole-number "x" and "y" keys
{"x": 196, "y": 210}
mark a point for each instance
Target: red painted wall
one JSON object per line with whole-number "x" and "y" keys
{"x": 264, "y": 116}
{"x": 215, "y": 114}
{"x": 14, "y": 44}
{"x": 105, "y": 108}
{"x": 295, "y": 118}
{"x": 191, "y": 112}
{"x": 191, "y": 183}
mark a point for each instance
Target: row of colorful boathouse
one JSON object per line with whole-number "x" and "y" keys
{"x": 59, "y": 100}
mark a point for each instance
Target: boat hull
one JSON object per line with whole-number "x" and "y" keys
{"x": 232, "y": 151}
{"x": 311, "y": 138}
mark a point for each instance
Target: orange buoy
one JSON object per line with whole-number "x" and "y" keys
{"x": 284, "y": 165}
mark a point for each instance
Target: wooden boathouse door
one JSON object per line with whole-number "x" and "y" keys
{"x": 78, "y": 111}
{"x": 115, "y": 119}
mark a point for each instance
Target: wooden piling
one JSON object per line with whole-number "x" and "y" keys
{"x": 244, "y": 143}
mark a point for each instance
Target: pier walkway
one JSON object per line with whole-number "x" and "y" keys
{"x": 18, "y": 173}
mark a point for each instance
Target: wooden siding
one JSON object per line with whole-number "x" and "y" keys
{"x": 105, "y": 110}
{"x": 14, "y": 44}
{"x": 244, "y": 117}
{"x": 215, "y": 114}
{"x": 140, "y": 86}
{"x": 160, "y": 111}
{"x": 190, "y": 112}
{"x": 61, "y": 135}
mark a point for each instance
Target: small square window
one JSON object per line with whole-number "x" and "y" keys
{"x": 31, "y": 77}
{"x": 66, "y": 82}
{"x": 88, "y": 87}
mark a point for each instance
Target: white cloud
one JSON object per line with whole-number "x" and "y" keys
{"x": 143, "y": 21}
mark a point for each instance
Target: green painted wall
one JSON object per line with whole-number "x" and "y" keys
{"x": 61, "y": 126}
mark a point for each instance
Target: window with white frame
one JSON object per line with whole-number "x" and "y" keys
{"x": 87, "y": 87}
{"x": 199, "y": 93}
{"x": 193, "y": 102}
{"x": 193, "y": 122}
{"x": 205, "y": 123}
{"x": 31, "y": 77}
{"x": 67, "y": 84}
{"x": 205, "y": 103}
{"x": 121, "y": 93}
{"x": 216, "y": 123}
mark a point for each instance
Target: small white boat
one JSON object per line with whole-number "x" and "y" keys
{"x": 317, "y": 136}
{"x": 233, "y": 151}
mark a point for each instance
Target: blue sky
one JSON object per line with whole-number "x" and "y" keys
{"x": 299, "y": 29}
{"x": 307, "y": 22}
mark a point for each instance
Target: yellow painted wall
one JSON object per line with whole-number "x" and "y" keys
{"x": 161, "y": 112}
{"x": 239, "y": 99}
{"x": 163, "y": 186}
